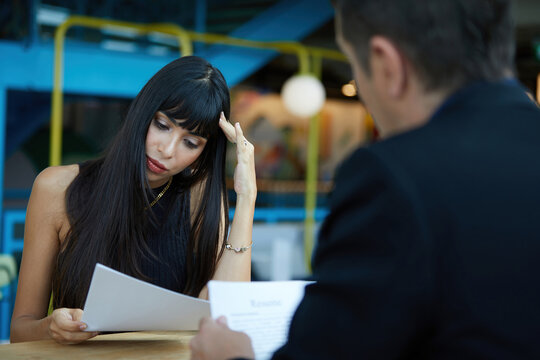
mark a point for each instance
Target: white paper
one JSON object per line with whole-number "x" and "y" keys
{"x": 262, "y": 309}
{"x": 118, "y": 302}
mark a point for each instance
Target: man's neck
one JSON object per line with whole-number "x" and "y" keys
{"x": 416, "y": 110}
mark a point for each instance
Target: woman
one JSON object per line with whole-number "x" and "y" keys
{"x": 154, "y": 206}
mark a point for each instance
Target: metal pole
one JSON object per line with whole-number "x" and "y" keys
{"x": 311, "y": 175}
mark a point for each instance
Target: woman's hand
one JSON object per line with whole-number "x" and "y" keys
{"x": 66, "y": 327}
{"x": 244, "y": 173}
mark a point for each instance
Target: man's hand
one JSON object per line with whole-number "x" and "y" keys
{"x": 216, "y": 341}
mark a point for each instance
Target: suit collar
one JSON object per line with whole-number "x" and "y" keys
{"x": 482, "y": 93}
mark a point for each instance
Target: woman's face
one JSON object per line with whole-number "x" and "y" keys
{"x": 169, "y": 149}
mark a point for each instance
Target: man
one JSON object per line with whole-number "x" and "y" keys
{"x": 431, "y": 249}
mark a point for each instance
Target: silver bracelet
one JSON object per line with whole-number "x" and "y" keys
{"x": 238, "y": 249}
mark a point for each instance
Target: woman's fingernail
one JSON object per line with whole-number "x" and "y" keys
{"x": 83, "y": 326}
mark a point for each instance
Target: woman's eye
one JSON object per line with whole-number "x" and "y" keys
{"x": 160, "y": 125}
{"x": 191, "y": 144}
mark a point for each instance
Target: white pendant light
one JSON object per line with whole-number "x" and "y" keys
{"x": 303, "y": 95}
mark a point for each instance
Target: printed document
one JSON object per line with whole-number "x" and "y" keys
{"x": 118, "y": 302}
{"x": 263, "y": 310}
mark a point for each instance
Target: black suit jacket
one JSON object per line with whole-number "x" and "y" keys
{"x": 432, "y": 246}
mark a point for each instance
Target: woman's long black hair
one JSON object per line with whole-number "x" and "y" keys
{"x": 106, "y": 202}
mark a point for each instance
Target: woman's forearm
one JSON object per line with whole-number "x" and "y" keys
{"x": 236, "y": 266}
{"x": 28, "y": 328}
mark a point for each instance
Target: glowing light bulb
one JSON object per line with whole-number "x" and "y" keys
{"x": 348, "y": 90}
{"x": 303, "y": 95}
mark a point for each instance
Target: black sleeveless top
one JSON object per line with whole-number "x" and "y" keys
{"x": 166, "y": 232}
{"x": 165, "y": 264}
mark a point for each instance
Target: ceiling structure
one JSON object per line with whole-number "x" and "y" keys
{"x": 28, "y": 20}
{"x": 526, "y": 16}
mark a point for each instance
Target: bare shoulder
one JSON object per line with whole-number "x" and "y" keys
{"x": 55, "y": 179}
{"x": 49, "y": 190}
{"x": 46, "y": 211}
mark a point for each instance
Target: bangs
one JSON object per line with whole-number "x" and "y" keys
{"x": 197, "y": 110}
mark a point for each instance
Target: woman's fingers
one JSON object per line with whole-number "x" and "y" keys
{"x": 66, "y": 327}
{"x": 244, "y": 173}
{"x": 227, "y": 128}
{"x": 241, "y": 141}
{"x": 66, "y": 319}
{"x": 77, "y": 314}
{"x": 239, "y": 133}
{"x": 68, "y": 337}
{"x": 233, "y": 133}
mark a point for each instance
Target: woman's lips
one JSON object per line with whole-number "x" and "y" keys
{"x": 155, "y": 166}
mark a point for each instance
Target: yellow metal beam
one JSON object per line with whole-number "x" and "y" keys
{"x": 311, "y": 174}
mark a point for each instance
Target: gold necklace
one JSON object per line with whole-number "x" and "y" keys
{"x": 156, "y": 199}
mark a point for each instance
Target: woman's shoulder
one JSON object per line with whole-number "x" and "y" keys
{"x": 55, "y": 179}
{"x": 47, "y": 200}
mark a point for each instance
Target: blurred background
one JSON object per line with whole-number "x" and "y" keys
{"x": 104, "y": 68}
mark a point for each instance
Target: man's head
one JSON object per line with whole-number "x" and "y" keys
{"x": 434, "y": 45}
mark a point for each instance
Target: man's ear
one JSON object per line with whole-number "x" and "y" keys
{"x": 388, "y": 67}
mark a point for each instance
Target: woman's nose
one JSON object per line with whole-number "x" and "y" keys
{"x": 167, "y": 147}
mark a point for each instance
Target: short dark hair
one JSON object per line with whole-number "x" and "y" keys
{"x": 449, "y": 42}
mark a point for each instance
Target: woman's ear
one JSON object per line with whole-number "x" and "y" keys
{"x": 388, "y": 67}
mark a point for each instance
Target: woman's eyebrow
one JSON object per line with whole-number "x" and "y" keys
{"x": 192, "y": 132}
{"x": 179, "y": 123}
